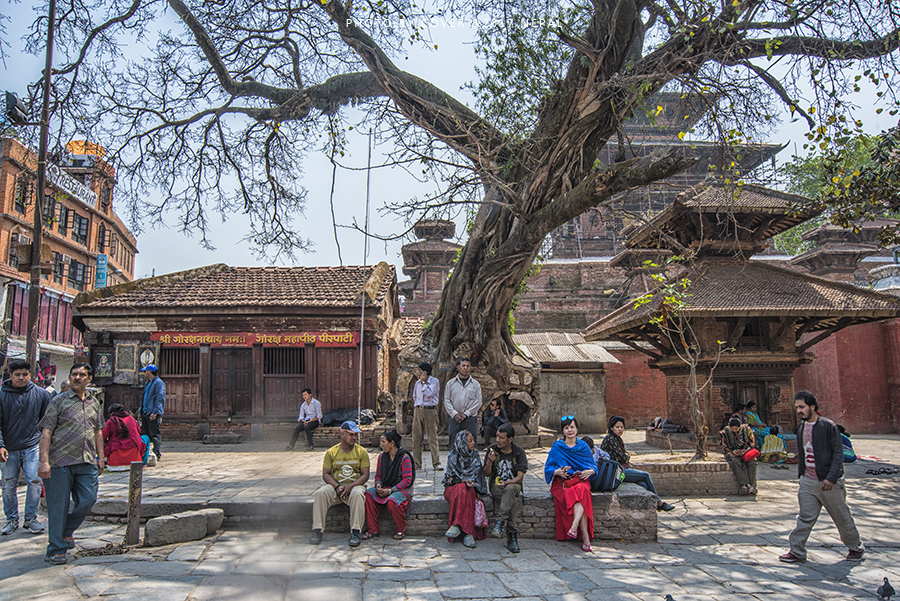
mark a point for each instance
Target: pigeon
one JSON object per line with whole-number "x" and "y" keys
{"x": 885, "y": 591}
{"x": 671, "y": 598}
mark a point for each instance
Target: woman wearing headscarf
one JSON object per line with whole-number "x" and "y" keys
{"x": 122, "y": 442}
{"x": 615, "y": 446}
{"x": 462, "y": 480}
{"x": 393, "y": 486}
{"x": 569, "y": 470}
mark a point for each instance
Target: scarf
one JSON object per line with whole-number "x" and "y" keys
{"x": 736, "y": 442}
{"x": 120, "y": 430}
{"x": 391, "y": 471}
{"x": 615, "y": 446}
{"x": 579, "y": 458}
{"x": 463, "y": 465}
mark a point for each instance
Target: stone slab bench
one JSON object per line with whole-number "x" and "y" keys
{"x": 627, "y": 514}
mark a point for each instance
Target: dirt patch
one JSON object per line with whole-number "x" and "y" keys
{"x": 679, "y": 458}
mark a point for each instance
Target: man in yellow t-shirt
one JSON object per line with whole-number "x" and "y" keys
{"x": 345, "y": 471}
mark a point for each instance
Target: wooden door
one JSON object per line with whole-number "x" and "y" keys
{"x": 337, "y": 379}
{"x": 232, "y": 382}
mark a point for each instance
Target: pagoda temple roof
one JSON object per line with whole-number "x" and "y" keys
{"x": 720, "y": 219}
{"x": 727, "y": 288}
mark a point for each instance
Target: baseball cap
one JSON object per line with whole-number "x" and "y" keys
{"x": 151, "y": 368}
{"x": 350, "y": 426}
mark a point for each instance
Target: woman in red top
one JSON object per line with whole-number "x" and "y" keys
{"x": 122, "y": 442}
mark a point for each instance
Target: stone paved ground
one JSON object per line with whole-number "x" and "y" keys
{"x": 708, "y": 549}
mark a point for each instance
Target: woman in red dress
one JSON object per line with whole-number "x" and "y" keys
{"x": 122, "y": 442}
{"x": 569, "y": 469}
{"x": 462, "y": 480}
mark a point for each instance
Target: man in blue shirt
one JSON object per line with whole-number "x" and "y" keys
{"x": 152, "y": 409}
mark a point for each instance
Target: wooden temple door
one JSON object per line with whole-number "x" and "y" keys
{"x": 756, "y": 392}
{"x": 232, "y": 382}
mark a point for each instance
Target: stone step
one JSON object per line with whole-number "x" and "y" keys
{"x": 627, "y": 514}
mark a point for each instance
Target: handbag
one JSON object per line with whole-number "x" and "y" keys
{"x": 750, "y": 454}
{"x": 481, "y": 520}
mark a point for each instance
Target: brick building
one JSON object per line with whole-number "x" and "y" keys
{"x": 85, "y": 244}
{"x": 237, "y": 345}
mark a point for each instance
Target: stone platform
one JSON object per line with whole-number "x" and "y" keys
{"x": 256, "y": 484}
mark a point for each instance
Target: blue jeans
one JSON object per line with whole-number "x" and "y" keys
{"x": 27, "y": 461}
{"x": 78, "y": 482}
{"x": 641, "y": 479}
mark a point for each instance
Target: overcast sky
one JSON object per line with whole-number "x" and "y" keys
{"x": 164, "y": 250}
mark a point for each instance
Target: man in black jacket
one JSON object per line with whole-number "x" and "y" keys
{"x": 22, "y": 405}
{"x": 821, "y": 472}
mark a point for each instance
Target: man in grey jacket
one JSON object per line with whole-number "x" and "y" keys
{"x": 22, "y": 405}
{"x": 821, "y": 472}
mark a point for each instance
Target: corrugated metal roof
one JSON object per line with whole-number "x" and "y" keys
{"x": 562, "y": 347}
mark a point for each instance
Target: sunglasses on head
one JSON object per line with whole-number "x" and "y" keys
{"x": 565, "y": 417}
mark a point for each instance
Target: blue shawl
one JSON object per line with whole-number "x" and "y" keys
{"x": 579, "y": 458}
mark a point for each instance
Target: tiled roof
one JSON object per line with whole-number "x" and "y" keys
{"x": 718, "y": 199}
{"x": 561, "y": 347}
{"x": 224, "y": 286}
{"x": 729, "y": 288}
{"x": 412, "y": 330}
{"x": 743, "y": 197}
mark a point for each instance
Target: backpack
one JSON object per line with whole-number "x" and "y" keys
{"x": 609, "y": 476}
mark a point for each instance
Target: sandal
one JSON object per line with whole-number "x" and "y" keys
{"x": 369, "y": 535}
{"x": 398, "y": 536}
{"x": 572, "y": 533}
{"x": 586, "y": 547}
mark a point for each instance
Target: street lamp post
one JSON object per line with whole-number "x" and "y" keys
{"x": 34, "y": 293}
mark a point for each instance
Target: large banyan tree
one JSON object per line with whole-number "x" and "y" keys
{"x": 229, "y": 95}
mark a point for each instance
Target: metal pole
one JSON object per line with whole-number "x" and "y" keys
{"x": 362, "y": 309}
{"x": 34, "y": 293}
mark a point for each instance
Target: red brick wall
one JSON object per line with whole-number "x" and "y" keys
{"x": 633, "y": 390}
{"x": 855, "y": 377}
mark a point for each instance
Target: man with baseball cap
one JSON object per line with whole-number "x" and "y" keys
{"x": 345, "y": 471}
{"x": 152, "y": 408}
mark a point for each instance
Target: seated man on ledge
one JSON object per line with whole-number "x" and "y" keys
{"x": 345, "y": 471}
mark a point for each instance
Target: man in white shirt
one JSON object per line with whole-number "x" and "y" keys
{"x": 310, "y": 415}
{"x": 426, "y": 398}
{"x": 462, "y": 400}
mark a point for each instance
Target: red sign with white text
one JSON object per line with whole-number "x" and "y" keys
{"x": 321, "y": 339}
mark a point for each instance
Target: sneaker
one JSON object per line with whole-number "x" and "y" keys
{"x": 289, "y": 448}
{"x": 311, "y": 447}
{"x": 58, "y": 560}
{"x": 791, "y": 558}
{"x": 33, "y": 526}
{"x": 855, "y": 555}
{"x": 9, "y": 528}
{"x": 453, "y": 532}
{"x": 355, "y": 538}
{"x": 665, "y": 507}
{"x": 70, "y": 541}
{"x": 469, "y": 541}
{"x": 158, "y": 458}
{"x": 151, "y": 462}
{"x": 439, "y": 468}
{"x": 316, "y": 537}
